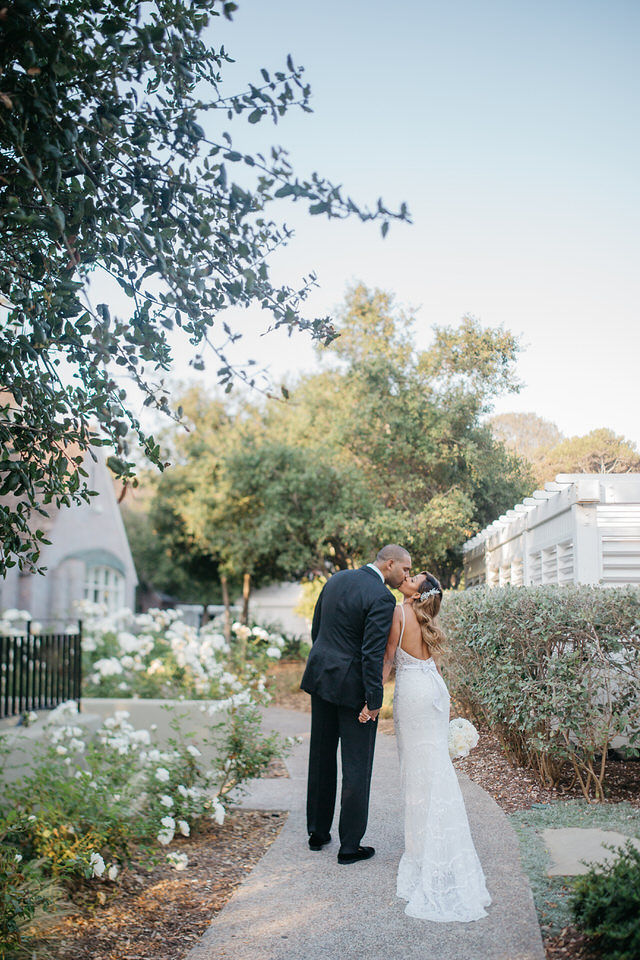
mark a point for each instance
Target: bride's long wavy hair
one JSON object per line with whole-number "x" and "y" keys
{"x": 426, "y": 612}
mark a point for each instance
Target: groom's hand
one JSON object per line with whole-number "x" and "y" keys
{"x": 366, "y": 714}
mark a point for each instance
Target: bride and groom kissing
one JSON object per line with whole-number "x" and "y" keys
{"x": 358, "y": 635}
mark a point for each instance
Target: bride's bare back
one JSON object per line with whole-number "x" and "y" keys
{"x": 412, "y": 642}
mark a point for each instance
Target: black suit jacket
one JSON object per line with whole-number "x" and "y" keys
{"x": 351, "y": 624}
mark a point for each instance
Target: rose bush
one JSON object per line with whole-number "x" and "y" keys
{"x": 156, "y": 654}
{"x": 87, "y": 804}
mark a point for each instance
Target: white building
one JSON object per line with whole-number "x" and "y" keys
{"x": 582, "y": 528}
{"x": 88, "y": 557}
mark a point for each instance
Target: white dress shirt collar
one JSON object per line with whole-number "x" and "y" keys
{"x": 377, "y": 570}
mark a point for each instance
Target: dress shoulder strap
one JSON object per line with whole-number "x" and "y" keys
{"x": 403, "y": 624}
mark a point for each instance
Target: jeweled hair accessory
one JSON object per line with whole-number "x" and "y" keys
{"x": 429, "y": 593}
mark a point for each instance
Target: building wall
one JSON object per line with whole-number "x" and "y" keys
{"x": 82, "y": 536}
{"x": 582, "y": 528}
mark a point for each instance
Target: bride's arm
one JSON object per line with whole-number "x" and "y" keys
{"x": 392, "y": 643}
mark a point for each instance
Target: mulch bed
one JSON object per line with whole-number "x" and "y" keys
{"x": 163, "y": 913}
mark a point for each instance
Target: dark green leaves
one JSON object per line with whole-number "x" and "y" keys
{"x": 108, "y": 149}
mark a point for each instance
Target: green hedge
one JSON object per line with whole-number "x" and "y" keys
{"x": 554, "y": 671}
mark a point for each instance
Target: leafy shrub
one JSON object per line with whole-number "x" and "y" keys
{"x": 554, "y": 671}
{"x": 606, "y": 906}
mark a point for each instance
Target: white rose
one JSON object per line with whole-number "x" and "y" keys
{"x": 97, "y": 864}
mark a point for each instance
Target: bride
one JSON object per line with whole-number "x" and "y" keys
{"x": 439, "y": 873}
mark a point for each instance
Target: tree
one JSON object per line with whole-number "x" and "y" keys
{"x": 114, "y": 158}
{"x": 166, "y": 556}
{"x": 386, "y": 445}
{"x": 527, "y": 434}
{"x": 600, "y": 451}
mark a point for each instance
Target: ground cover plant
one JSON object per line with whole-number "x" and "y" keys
{"x": 553, "y": 671}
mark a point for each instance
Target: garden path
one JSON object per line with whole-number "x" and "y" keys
{"x": 299, "y": 905}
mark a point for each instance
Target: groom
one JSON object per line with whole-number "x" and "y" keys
{"x": 351, "y": 624}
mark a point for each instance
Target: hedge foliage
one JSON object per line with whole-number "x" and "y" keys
{"x": 554, "y": 671}
{"x": 606, "y": 905}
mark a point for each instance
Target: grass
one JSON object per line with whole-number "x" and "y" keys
{"x": 552, "y": 895}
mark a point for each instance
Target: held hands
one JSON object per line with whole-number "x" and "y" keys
{"x": 366, "y": 714}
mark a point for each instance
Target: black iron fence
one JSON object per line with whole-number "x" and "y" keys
{"x": 39, "y": 670}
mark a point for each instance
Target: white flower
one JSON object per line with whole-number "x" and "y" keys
{"x": 218, "y": 812}
{"x": 60, "y": 750}
{"x": 63, "y": 711}
{"x": 18, "y": 856}
{"x": 274, "y": 652}
{"x": 141, "y": 737}
{"x": 165, "y": 837}
{"x": 108, "y": 667}
{"x": 178, "y": 860}
{"x": 184, "y": 828}
{"x": 463, "y": 736}
{"x": 193, "y": 751}
{"x": 182, "y": 790}
{"x": 112, "y": 872}
{"x": 166, "y": 801}
{"x": 32, "y": 817}
{"x": 97, "y": 863}
{"x": 76, "y": 744}
{"x": 162, "y": 774}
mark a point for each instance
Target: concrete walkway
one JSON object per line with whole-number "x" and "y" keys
{"x": 300, "y": 905}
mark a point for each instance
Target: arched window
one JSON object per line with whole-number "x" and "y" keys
{"x": 105, "y": 585}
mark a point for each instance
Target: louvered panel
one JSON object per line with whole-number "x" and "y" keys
{"x": 565, "y": 562}
{"x": 619, "y": 514}
{"x": 620, "y": 560}
{"x": 550, "y": 565}
{"x": 535, "y": 567}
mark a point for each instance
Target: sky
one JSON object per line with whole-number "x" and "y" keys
{"x": 511, "y": 130}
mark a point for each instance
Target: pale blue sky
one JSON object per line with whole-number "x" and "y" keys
{"x": 511, "y": 130}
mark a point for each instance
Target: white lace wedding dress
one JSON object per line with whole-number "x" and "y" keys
{"x": 439, "y": 873}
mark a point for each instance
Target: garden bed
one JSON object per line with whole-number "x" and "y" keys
{"x": 162, "y": 913}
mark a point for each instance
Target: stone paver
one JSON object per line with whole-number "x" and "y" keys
{"x": 300, "y": 905}
{"x": 569, "y": 846}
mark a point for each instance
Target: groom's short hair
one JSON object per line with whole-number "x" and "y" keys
{"x": 392, "y": 551}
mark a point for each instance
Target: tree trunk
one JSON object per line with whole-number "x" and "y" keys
{"x": 246, "y": 593}
{"x": 227, "y": 612}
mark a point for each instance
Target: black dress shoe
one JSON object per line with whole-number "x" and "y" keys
{"x": 362, "y": 853}
{"x": 316, "y": 842}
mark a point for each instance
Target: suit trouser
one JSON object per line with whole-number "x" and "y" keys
{"x": 330, "y": 723}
